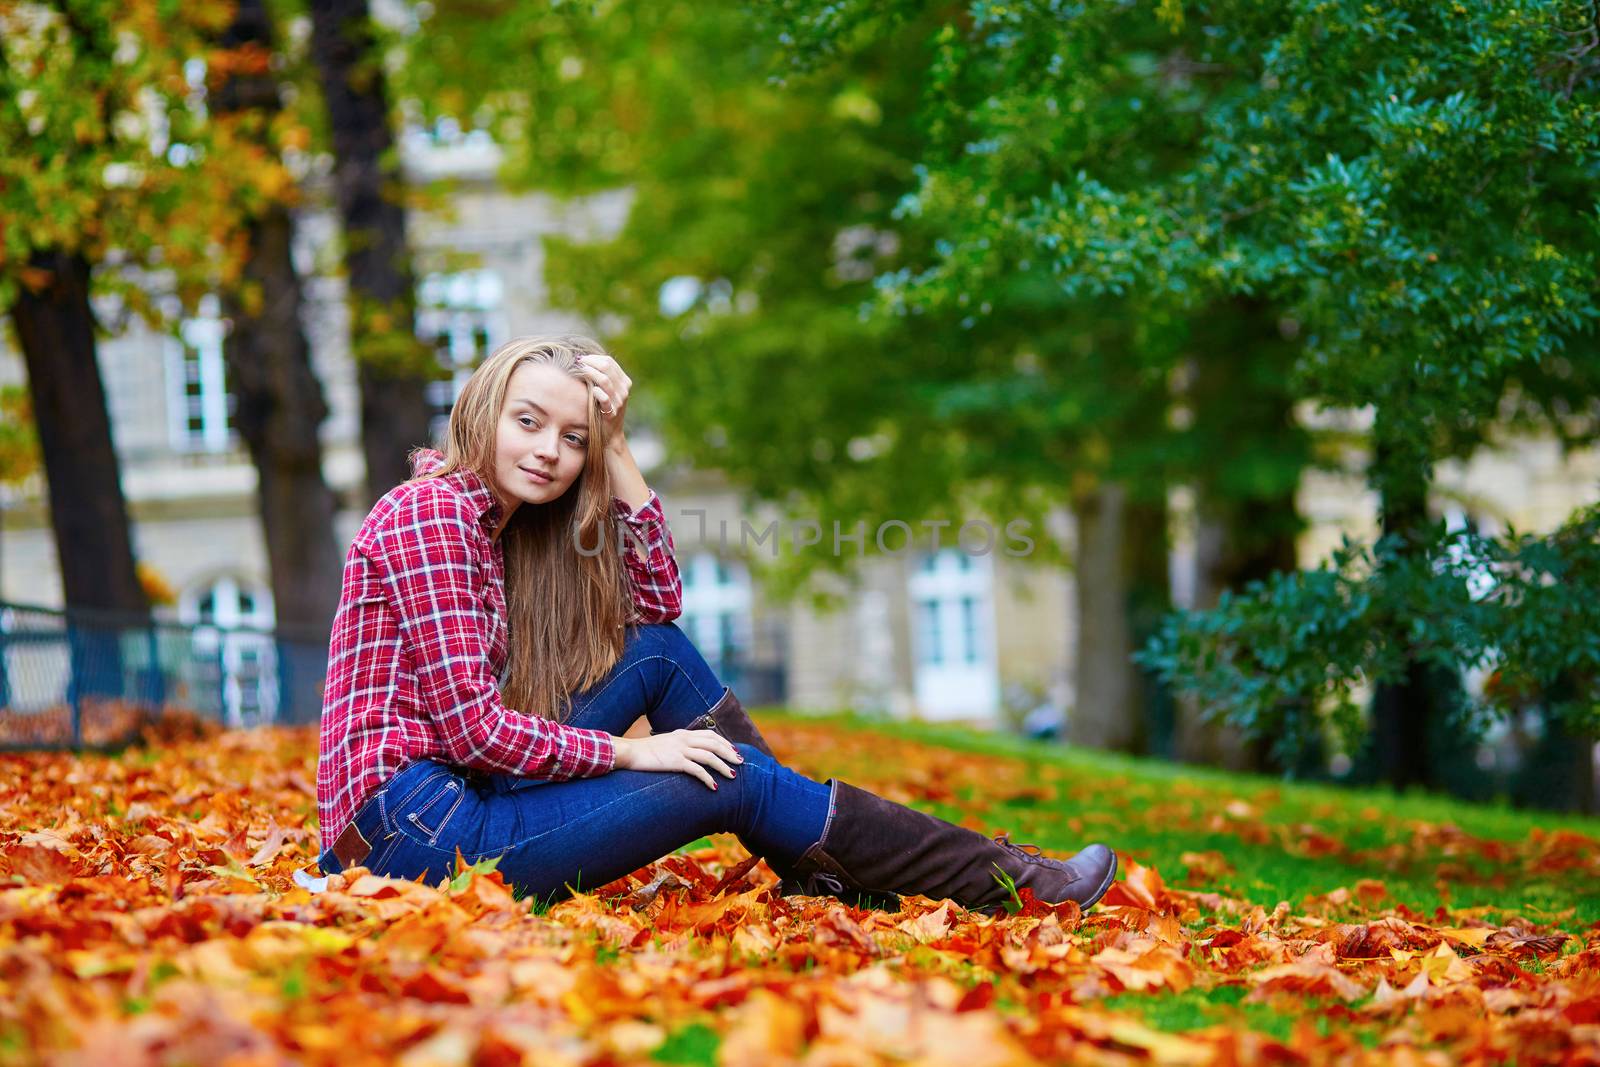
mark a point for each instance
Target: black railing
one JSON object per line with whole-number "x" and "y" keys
{"x": 86, "y": 678}
{"x": 83, "y": 678}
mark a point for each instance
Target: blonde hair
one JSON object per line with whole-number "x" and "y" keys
{"x": 566, "y": 609}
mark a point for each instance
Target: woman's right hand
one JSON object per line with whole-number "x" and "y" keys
{"x": 688, "y": 751}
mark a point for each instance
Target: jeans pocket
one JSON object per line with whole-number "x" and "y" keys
{"x": 407, "y": 858}
{"x": 432, "y": 815}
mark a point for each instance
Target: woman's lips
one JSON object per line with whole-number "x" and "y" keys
{"x": 537, "y": 476}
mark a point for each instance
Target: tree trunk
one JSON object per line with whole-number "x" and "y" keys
{"x": 1252, "y": 454}
{"x": 94, "y": 544}
{"x": 394, "y": 368}
{"x": 1228, "y": 557}
{"x": 1402, "y": 710}
{"x": 1149, "y": 550}
{"x": 279, "y": 400}
{"x": 1114, "y": 537}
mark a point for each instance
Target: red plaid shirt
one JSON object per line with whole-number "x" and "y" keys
{"x": 420, "y": 638}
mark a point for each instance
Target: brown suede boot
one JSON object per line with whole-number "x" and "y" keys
{"x": 729, "y": 719}
{"x": 875, "y": 846}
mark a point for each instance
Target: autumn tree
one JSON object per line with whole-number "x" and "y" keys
{"x": 107, "y": 174}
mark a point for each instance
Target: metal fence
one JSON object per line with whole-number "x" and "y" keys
{"x": 85, "y": 678}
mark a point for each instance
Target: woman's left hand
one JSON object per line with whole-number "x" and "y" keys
{"x": 611, "y": 386}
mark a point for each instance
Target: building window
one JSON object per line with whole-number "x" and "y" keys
{"x": 969, "y": 629}
{"x": 716, "y": 609}
{"x": 233, "y": 668}
{"x": 928, "y": 640}
{"x": 201, "y": 407}
{"x": 952, "y": 612}
{"x": 461, "y": 315}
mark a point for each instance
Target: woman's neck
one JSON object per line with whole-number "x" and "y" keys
{"x": 507, "y": 509}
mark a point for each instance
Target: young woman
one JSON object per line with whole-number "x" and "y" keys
{"x": 506, "y": 615}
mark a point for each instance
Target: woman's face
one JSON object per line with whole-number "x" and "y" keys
{"x": 543, "y": 429}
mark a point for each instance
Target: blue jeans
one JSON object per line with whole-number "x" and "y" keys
{"x": 552, "y": 837}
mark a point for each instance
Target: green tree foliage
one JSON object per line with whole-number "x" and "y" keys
{"x": 1413, "y": 183}
{"x": 1289, "y": 656}
{"x": 768, "y": 209}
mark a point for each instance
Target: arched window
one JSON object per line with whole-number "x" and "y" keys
{"x": 236, "y": 668}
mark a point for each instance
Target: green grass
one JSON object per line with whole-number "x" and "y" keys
{"x": 695, "y": 1044}
{"x": 1113, "y": 795}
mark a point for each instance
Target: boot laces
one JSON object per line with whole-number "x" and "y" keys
{"x": 829, "y": 882}
{"x": 1026, "y": 851}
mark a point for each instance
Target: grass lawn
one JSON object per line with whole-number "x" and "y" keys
{"x": 1283, "y": 840}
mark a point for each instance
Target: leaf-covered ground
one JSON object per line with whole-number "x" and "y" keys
{"x": 149, "y": 914}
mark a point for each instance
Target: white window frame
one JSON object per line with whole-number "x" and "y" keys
{"x": 249, "y": 661}
{"x": 954, "y": 655}
{"x": 199, "y": 345}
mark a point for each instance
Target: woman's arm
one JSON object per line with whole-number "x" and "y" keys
{"x": 653, "y": 579}
{"x": 627, "y": 484}
{"x": 426, "y": 559}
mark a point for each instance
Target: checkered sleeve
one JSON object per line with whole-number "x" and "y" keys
{"x": 653, "y": 580}
{"x": 428, "y": 560}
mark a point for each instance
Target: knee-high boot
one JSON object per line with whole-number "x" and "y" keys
{"x": 873, "y": 845}
{"x": 873, "y": 849}
{"x": 730, "y": 720}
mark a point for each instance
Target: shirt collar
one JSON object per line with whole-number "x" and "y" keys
{"x": 475, "y": 489}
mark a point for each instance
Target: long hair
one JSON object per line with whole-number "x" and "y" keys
{"x": 566, "y": 609}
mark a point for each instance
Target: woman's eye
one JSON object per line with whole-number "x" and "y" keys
{"x": 526, "y": 421}
{"x": 575, "y": 440}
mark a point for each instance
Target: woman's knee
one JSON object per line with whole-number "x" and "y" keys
{"x": 773, "y": 806}
{"x": 753, "y": 756}
{"x": 759, "y": 777}
{"x": 663, "y": 638}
